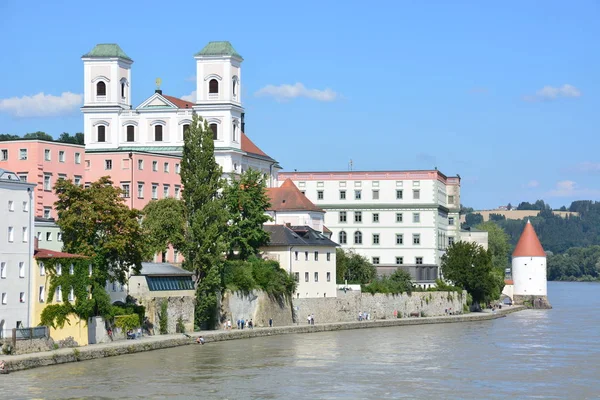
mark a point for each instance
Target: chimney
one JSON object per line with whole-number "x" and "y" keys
{"x": 243, "y": 123}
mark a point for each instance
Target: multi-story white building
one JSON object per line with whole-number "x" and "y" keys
{"x": 16, "y": 250}
{"x": 397, "y": 219}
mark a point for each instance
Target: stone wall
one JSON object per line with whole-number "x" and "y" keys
{"x": 181, "y": 306}
{"x": 347, "y": 306}
{"x": 257, "y": 306}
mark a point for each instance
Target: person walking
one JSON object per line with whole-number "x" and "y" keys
{"x": 270, "y": 322}
{"x": 312, "y": 319}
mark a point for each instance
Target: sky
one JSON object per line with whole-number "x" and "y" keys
{"x": 506, "y": 95}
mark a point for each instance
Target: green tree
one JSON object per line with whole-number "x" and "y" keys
{"x": 206, "y": 216}
{"x": 65, "y": 137}
{"x": 7, "y": 136}
{"x": 164, "y": 224}
{"x": 354, "y": 268}
{"x": 246, "y": 201}
{"x": 38, "y": 135}
{"x": 497, "y": 244}
{"x": 473, "y": 219}
{"x": 469, "y": 265}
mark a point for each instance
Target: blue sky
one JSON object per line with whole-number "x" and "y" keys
{"x": 505, "y": 94}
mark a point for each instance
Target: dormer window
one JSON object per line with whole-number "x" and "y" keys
{"x": 213, "y": 86}
{"x": 158, "y": 133}
{"x": 131, "y": 133}
{"x": 101, "y": 89}
{"x": 214, "y": 129}
{"x": 101, "y": 132}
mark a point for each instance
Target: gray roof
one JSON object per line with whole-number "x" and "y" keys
{"x": 282, "y": 235}
{"x": 8, "y": 175}
{"x": 162, "y": 269}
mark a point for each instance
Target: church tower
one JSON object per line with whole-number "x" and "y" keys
{"x": 219, "y": 100}
{"x": 529, "y": 270}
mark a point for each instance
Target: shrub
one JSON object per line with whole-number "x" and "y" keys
{"x": 127, "y": 322}
{"x": 163, "y": 318}
{"x": 180, "y": 327}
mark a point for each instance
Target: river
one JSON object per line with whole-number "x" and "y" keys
{"x": 531, "y": 354}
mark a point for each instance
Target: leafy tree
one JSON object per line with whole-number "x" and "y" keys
{"x": 164, "y": 225}
{"x": 497, "y": 217}
{"x": 7, "y": 136}
{"x": 563, "y": 208}
{"x": 469, "y": 265}
{"x": 38, "y": 135}
{"x": 206, "y": 216}
{"x": 65, "y": 137}
{"x": 509, "y": 207}
{"x": 465, "y": 210}
{"x": 497, "y": 244}
{"x": 473, "y": 219}
{"x": 354, "y": 268}
{"x": 246, "y": 200}
{"x": 96, "y": 222}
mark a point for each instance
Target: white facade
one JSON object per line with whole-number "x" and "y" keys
{"x": 16, "y": 251}
{"x": 473, "y": 236}
{"x": 313, "y": 219}
{"x": 529, "y": 276}
{"x": 396, "y": 219}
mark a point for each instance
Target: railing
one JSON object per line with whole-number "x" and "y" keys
{"x": 38, "y": 332}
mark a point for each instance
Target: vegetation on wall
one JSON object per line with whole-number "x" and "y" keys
{"x": 163, "y": 224}
{"x": 163, "y": 317}
{"x": 127, "y": 322}
{"x": 64, "y": 137}
{"x": 255, "y": 273}
{"x": 354, "y": 268}
{"x": 397, "y": 283}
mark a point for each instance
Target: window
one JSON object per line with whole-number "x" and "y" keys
{"x": 450, "y": 199}
{"x": 399, "y": 217}
{"x": 23, "y": 154}
{"x": 58, "y": 294}
{"x": 214, "y": 129}
{"x": 375, "y": 194}
{"x": 23, "y": 177}
{"x": 376, "y": 238}
{"x": 329, "y": 277}
{"x": 213, "y": 86}
{"x": 154, "y": 192}
{"x": 419, "y": 260}
{"x": 342, "y": 195}
{"x": 399, "y": 194}
{"x": 177, "y": 168}
{"x": 77, "y": 180}
{"x": 316, "y": 277}
{"x": 77, "y": 158}
{"x": 450, "y": 220}
{"x": 101, "y": 133}
{"x": 155, "y": 166}
{"x": 48, "y": 236}
{"x": 416, "y": 183}
{"x": 123, "y": 89}
{"x": 107, "y": 164}
{"x": 158, "y": 133}
{"x": 47, "y": 155}
{"x": 297, "y": 276}
{"x": 296, "y": 255}
{"x": 4, "y": 155}
{"x": 399, "y": 238}
{"x": 21, "y": 269}
{"x": 316, "y": 256}
{"x": 399, "y": 260}
{"x": 319, "y": 195}
{"x": 416, "y": 194}
{"x": 47, "y": 182}
{"x": 61, "y": 156}
{"x": 375, "y": 217}
{"x": 42, "y": 294}
{"x": 306, "y": 277}
{"x": 130, "y": 133}
{"x": 343, "y": 216}
{"x": 177, "y": 192}
{"x": 175, "y": 256}
{"x": 186, "y": 129}
{"x": 140, "y": 193}
{"x": 58, "y": 269}
{"x": 375, "y": 260}
{"x": 416, "y": 238}
{"x": 59, "y": 236}
{"x": 357, "y": 194}
{"x": 328, "y": 256}
{"x": 125, "y": 188}
{"x": 166, "y": 167}
{"x": 140, "y": 164}
{"x": 100, "y": 89}
{"x": 357, "y": 237}
{"x": 3, "y": 270}
{"x": 11, "y": 205}
{"x": 25, "y": 234}
{"x": 234, "y": 87}
{"x": 343, "y": 238}
{"x": 357, "y": 216}
{"x": 416, "y": 217}
{"x": 62, "y": 176}
{"x": 25, "y": 206}
{"x": 71, "y": 294}
{"x": 166, "y": 191}
{"x": 47, "y": 212}
{"x": 234, "y": 132}
{"x": 11, "y": 234}
{"x": 450, "y": 240}
{"x": 306, "y": 256}
{"x": 4, "y": 298}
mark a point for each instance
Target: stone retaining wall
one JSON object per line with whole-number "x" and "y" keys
{"x": 258, "y": 306}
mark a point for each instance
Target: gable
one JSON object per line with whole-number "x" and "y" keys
{"x": 157, "y": 100}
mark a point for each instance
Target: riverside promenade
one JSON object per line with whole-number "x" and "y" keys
{"x": 148, "y": 343}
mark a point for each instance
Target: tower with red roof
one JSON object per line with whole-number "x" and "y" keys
{"x": 529, "y": 270}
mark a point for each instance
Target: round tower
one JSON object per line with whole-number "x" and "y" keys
{"x": 529, "y": 270}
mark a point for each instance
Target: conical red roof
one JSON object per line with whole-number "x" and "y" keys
{"x": 529, "y": 245}
{"x": 288, "y": 197}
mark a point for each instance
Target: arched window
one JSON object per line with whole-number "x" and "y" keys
{"x": 343, "y": 237}
{"x": 123, "y": 89}
{"x": 235, "y": 88}
{"x": 215, "y": 132}
{"x": 158, "y": 133}
{"x": 131, "y": 133}
{"x": 100, "y": 89}
{"x": 357, "y": 237}
{"x": 213, "y": 86}
{"x": 186, "y": 129}
{"x": 101, "y": 133}
{"x": 234, "y": 134}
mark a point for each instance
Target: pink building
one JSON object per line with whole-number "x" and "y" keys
{"x": 43, "y": 162}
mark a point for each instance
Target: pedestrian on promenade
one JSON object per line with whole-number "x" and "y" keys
{"x": 229, "y": 324}
{"x": 270, "y": 322}
{"x": 239, "y": 323}
{"x": 312, "y": 319}
{"x": 308, "y": 319}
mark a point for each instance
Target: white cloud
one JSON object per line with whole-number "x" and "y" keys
{"x": 533, "y": 184}
{"x": 569, "y": 188}
{"x": 286, "y": 92}
{"x": 190, "y": 97}
{"x": 588, "y": 166}
{"x": 549, "y": 93}
{"x": 41, "y": 105}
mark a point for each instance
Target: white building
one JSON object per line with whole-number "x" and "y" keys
{"x": 297, "y": 242}
{"x": 111, "y": 123}
{"x": 16, "y": 251}
{"x": 397, "y": 219}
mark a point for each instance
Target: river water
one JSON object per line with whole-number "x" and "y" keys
{"x": 531, "y": 354}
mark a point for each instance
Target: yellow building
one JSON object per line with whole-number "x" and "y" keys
{"x": 63, "y": 263}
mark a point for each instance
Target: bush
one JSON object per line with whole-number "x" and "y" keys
{"x": 127, "y": 322}
{"x": 256, "y": 273}
{"x": 163, "y": 318}
{"x": 180, "y": 327}
{"x": 397, "y": 283}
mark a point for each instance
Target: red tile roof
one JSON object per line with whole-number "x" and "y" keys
{"x": 529, "y": 245}
{"x": 178, "y": 102}
{"x": 508, "y": 282}
{"x": 249, "y": 147}
{"x": 45, "y": 253}
{"x": 288, "y": 197}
